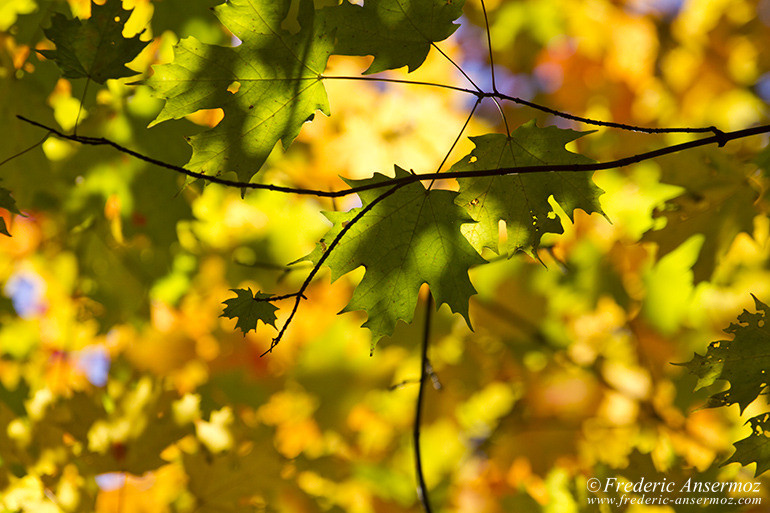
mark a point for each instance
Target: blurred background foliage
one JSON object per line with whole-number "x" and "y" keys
{"x": 121, "y": 388}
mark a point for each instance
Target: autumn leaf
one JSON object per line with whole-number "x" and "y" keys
{"x": 267, "y": 87}
{"x": 94, "y": 48}
{"x": 521, "y": 200}
{"x": 220, "y": 483}
{"x": 8, "y": 203}
{"x": 755, "y": 448}
{"x": 249, "y": 308}
{"x": 407, "y": 239}
{"x": 743, "y": 362}
{"x": 396, "y": 32}
{"x": 718, "y": 203}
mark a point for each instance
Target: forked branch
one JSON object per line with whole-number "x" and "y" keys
{"x": 720, "y": 138}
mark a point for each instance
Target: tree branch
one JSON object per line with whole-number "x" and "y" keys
{"x": 610, "y": 124}
{"x": 720, "y": 139}
{"x": 422, "y": 489}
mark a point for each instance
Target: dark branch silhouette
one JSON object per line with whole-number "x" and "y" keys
{"x": 720, "y": 138}
{"x": 422, "y": 489}
{"x": 300, "y": 294}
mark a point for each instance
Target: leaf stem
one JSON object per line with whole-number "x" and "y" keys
{"x": 299, "y": 295}
{"x": 80, "y": 107}
{"x": 422, "y": 489}
{"x": 22, "y": 152}
{"x": 400, "y": 81}
{"x": 492, "y": 70}
{"x": 459, "y": 68}
{"x": 489, "y": 45}
{"x": 457, "y": 139}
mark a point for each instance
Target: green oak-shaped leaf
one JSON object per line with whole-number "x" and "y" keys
{"x": 267, "y": 87}
{"x": 755, "y": 448}
{"x": 249, "y": 308}
{"x": 94, "y": 48}
{"x": 408, "y": 238}
{"x": 396, "y": 32}
{"x": 744, "y": 361}
{"x": 521, "y": 200}
{"x": 719, "y": 202}
{"x": 8, "y": 203}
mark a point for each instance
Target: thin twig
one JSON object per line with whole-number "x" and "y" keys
{"x": 457, "y": 140}
{"x": 422, "y": 489}
{"x": 489, "y": 45}
{"x": 300, "y": 294}
{"x": 610, "y": 124}
{"x": 80, "y": 107}
{"x": 492, "y": 70}
{"x": 400, "y": 81}
{"x": 433, "y": 377}
{"x": 721, "y": 138}
{"x": 460, "y": 69}
{"x": 22, "y": 152}
{"x": 403, "y": 383}
{"x": 271, "y": 266}
{"x": 495, "y": 94}
{"x": 502, "y": 115}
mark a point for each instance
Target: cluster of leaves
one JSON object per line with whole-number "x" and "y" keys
{"x": 744, "y": 363}
{"x": 115, "y": 359}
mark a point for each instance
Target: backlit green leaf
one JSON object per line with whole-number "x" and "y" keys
{"x": 409, "y": 238}
{"x": 396, "y": 32}
{"x": 744, "y": 361}
{"x": 521, "y": 200}
{"x": 267, "y": 87}
{"x": 755, "y": 448}
{"x": 718, "y": 202}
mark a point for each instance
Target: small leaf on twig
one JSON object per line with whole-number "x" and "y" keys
{"x": 249, "y": 308}
{"x": 94, "y": 48}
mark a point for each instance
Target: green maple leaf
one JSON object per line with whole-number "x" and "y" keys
{"x": 755, "y": 448}
{"x": 94, "y": 48}
{"x": 521, "y": 200}
{"x": 8, "y": 203}
{"x": 744, "y": 361}
{"x": 396, "y": 32}
{"x": 718, "y": 203}
{"x": 249, "y": 308}
{"x": 276, "y": 73}
{"x": 407, "y": 239}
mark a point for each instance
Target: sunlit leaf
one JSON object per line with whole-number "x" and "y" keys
{"x": 268, "y": 86}
{"x": 718, "y": 202}
{"x": 755, "y": 448}
{"x": 407, "y": 239}
{"x": 396, "y": 32}
{"x": 8, "y": 203}
{"x": 744, "y": 361}
{"x": 521, "y": 200}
